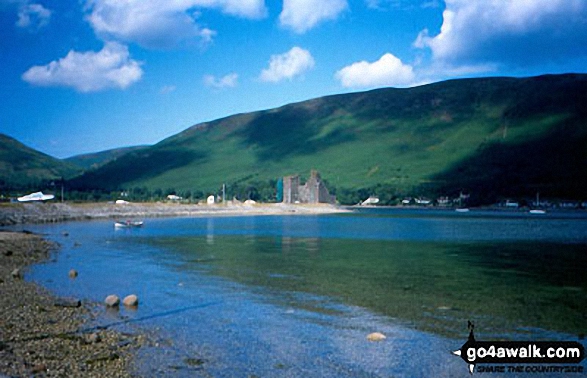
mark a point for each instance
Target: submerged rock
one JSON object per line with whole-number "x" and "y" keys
{"x": 72, "y": 273}
{"x": 112, "y": 301}
{"x": 131, "y": 300}
{"x": 376, "y": 336}
{"x": 68, "y": 302}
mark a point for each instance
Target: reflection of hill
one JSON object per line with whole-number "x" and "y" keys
{"x": 434, "y": 286}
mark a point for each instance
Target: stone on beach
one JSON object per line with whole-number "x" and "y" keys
{"x": 72, "y": 273}
{"x": 92, "y": 338}
{"x": 16, "y": 273}
{"x": 376, "y": 336}
{"x": 131, "y": 300}
{"x": 112, "y": 301}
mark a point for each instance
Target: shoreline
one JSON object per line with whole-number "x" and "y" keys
{"x": 42, "y": 334}
{"x": 23, "y": 213}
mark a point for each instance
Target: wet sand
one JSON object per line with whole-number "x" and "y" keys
{"x": 42, "y": 335}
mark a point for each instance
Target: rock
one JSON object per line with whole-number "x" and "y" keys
{"x": 131, "y": 301}
{"x": 39, "y": 368}
{"x": 112, "y": 301}
{"x": 93, "y": 338}
{"x": 16, "y": 273}
{"x": 72, "y": 273}
{"x": 7, "y": 253}
{"x": 67, "y": 302}
{"x": 376, "y": 336}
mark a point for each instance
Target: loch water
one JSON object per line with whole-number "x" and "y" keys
{"x": 296, "y": 296}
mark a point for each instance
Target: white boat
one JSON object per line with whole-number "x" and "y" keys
{"x": 128, "y": 223}
{"x": 462, "y": 210}
{"x": 370, "y": 201}
{"x": 38, "y": 196}
{"x": 537, "y": 211}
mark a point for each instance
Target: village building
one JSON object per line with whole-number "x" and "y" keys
{"x": 313, "y": 191}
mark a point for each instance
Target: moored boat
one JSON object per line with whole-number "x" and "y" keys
{"x": 128, "y": 223}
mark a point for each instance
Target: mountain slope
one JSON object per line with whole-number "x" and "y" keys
{"x": 492, "y": 136}
{"x": 22, "y": 166}
{"x": 98, "y": 159}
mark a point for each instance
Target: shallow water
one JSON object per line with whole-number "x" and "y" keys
{"x": 297, "y": 295}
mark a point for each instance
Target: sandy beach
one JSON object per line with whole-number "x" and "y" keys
{"x": 22, "y": 213}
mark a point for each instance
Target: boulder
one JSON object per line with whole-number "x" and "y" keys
{"x": 72, "y": 273}
{"x": 112, "y": 301}
{"x": 376, "y": 336}
{"x": 131, "y": 301}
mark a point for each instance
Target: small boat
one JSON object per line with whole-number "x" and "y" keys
{"x": 462, "y": 210}
{"x": 128, "y": 223}
{"x": 38, "y": 196}
{"x": 537, "y": 211}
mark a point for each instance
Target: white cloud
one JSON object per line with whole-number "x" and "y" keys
{"x": 387, "y": 71}
{"x": 227, "y": 81}
{"x": 508, "y": 32}
{"x": 288, "y": 65}
{"x": 89, "y": 71}
{"x": 33, "y": 16}
{"x": 303, "y": 15}
{"x": 157, "y": 24}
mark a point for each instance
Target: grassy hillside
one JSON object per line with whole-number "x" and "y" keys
{"x": 23, "y": 167}
{"x": 98, "y": 159}
{"x": 490, "y": 136}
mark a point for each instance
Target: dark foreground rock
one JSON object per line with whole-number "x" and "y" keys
{"x": 42, "y": 337}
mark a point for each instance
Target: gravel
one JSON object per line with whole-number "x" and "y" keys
{"x": 45, "y": 336}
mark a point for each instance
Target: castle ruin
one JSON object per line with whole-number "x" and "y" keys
{"x": 313, "y": 191}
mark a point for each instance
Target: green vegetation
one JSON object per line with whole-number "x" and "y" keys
{"x": 98, "y": 159}
{"x": 22, "y": 168}
{"x": 490, "y": 137}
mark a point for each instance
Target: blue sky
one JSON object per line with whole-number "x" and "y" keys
{"x": 88, "y": 75}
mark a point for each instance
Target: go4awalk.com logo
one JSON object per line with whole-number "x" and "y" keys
{"x": 522, "y": 356}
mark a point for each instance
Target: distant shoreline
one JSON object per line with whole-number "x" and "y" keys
{"x": 35, "y": 213}
{"x": 27, "y": 213}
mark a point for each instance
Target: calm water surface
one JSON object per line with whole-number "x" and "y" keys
{"x": 292, "y": 296}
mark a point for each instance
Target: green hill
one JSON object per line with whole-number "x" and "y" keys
{"x": 24, "y": 167}
{"x": 490, "y": 136}
{"x": 98, "y": 159}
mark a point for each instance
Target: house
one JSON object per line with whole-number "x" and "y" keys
{"x": 443, "y": 201}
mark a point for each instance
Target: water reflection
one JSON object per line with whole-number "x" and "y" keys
{"x": 505, "y": 287}
{"x": 289, "y": 245}
{"x": 210, "y": 231}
